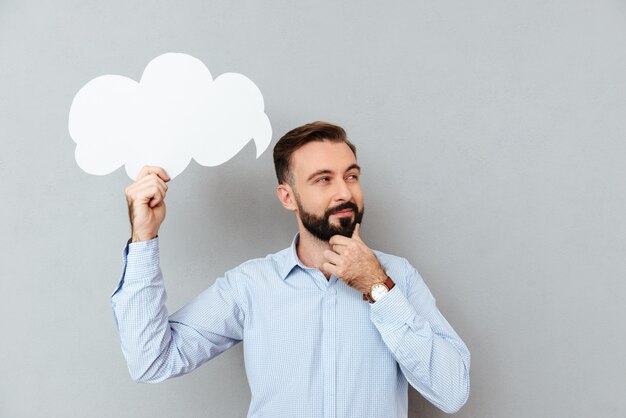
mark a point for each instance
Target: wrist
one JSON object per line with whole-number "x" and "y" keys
{"x": 379, "y": 289}
{"x": 138, "y": 237}
{"x": 374, "y": 277}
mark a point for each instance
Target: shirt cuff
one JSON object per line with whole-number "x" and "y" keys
{"x": 140, "y": 261}
{"x": 392, "y": 314}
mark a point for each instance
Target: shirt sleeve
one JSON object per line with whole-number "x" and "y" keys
{"x": 433, "y": 358}
{"x": 156, "y": 346}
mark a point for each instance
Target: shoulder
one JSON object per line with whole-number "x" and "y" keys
{"x": 400, "y": 266}
{"x": 252, "y": 276}
{"x": 262, "y": 267}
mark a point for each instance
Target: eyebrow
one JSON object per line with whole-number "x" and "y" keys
{"x": 327, "y": 171}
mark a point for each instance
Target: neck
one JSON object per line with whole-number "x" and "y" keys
{"x": 310, "y": 250}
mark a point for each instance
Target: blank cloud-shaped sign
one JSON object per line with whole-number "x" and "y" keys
{"x": 176, "y": 112}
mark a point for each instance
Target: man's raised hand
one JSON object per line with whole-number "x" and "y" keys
{"x": 146, "y": 203}
{"x": 353, "y": 262}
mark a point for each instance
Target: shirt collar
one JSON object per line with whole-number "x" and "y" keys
{"x": 292, "y": 259}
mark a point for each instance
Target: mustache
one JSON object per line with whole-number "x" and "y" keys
{"x": 342, "y": 206}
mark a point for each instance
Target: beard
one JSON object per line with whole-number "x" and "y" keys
{"x": 320, "y": 226}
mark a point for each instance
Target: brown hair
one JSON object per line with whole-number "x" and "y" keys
{"x": 296, "y": 138}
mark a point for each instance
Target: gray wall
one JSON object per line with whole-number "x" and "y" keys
{"x": 492, "y": 139}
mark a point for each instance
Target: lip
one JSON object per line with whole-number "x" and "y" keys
{"x": 343, "y": 213}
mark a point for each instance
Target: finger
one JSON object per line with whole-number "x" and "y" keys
{"x": 148, "y": 186}
{"x": 159, "y": 194}
{"x": 160, "y": 184}
{"x": 162, "y": 174}
{"x": 339, "y": 240}
{"x": 332, "y": 257}
{"x": 339, "y": 249}
{"x": 148, "y": 183}
{"x": 151, "y": 192}
{"x": 331, "y": 268}
{"x": 147, "y": 170}
{"x": 156, "y": 201}
{"x": 355, "y": 234}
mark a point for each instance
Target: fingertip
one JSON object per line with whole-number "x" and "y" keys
{"x": 355, "y": 233}
{"x": 157, "y": 171}
{"x": 163, "y": 174}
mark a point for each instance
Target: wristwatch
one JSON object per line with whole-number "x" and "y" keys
{"x": 378, "y": 290}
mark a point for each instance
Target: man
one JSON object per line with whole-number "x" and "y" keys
{"x": 331, "y": 328}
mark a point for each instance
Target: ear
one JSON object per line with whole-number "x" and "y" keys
{"x": 286, "y": 196}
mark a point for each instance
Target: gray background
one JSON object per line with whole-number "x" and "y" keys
{"x": 492, "y": 139}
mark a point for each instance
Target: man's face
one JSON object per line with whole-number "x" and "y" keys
{"x": 326, "y": 188}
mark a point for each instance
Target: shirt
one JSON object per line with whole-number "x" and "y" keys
{"x": 312, "y": 346}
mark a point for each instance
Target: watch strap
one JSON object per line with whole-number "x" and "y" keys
{"x": 389, "y": 284}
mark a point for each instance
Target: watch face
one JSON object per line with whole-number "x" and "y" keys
{"x": 378, "y": 290}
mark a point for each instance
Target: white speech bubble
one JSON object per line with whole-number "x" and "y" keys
{"x": 176, "y": 112}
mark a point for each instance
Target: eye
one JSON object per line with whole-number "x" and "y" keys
{"x": 323, "y": 180}
{"x": 353, "y": 177}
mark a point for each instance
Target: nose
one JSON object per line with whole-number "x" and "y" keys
{"x": 342, "y": 191}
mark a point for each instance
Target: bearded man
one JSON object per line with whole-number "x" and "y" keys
{"x": 331, "y": 327}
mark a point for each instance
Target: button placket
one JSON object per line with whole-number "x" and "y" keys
{"x": 329, "y": 355}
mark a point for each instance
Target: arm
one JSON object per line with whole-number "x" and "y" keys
{"x": 156, "y": 347}
{"x": 431, "y": 355}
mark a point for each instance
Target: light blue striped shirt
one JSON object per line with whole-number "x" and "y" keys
{"x": 312, "y": 347}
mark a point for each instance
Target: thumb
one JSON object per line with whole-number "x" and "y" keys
{"x": 355, "y": 234}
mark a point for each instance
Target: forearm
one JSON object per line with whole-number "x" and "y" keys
{"x": 431, "y": 355}
{"x": 140, "y": 313}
